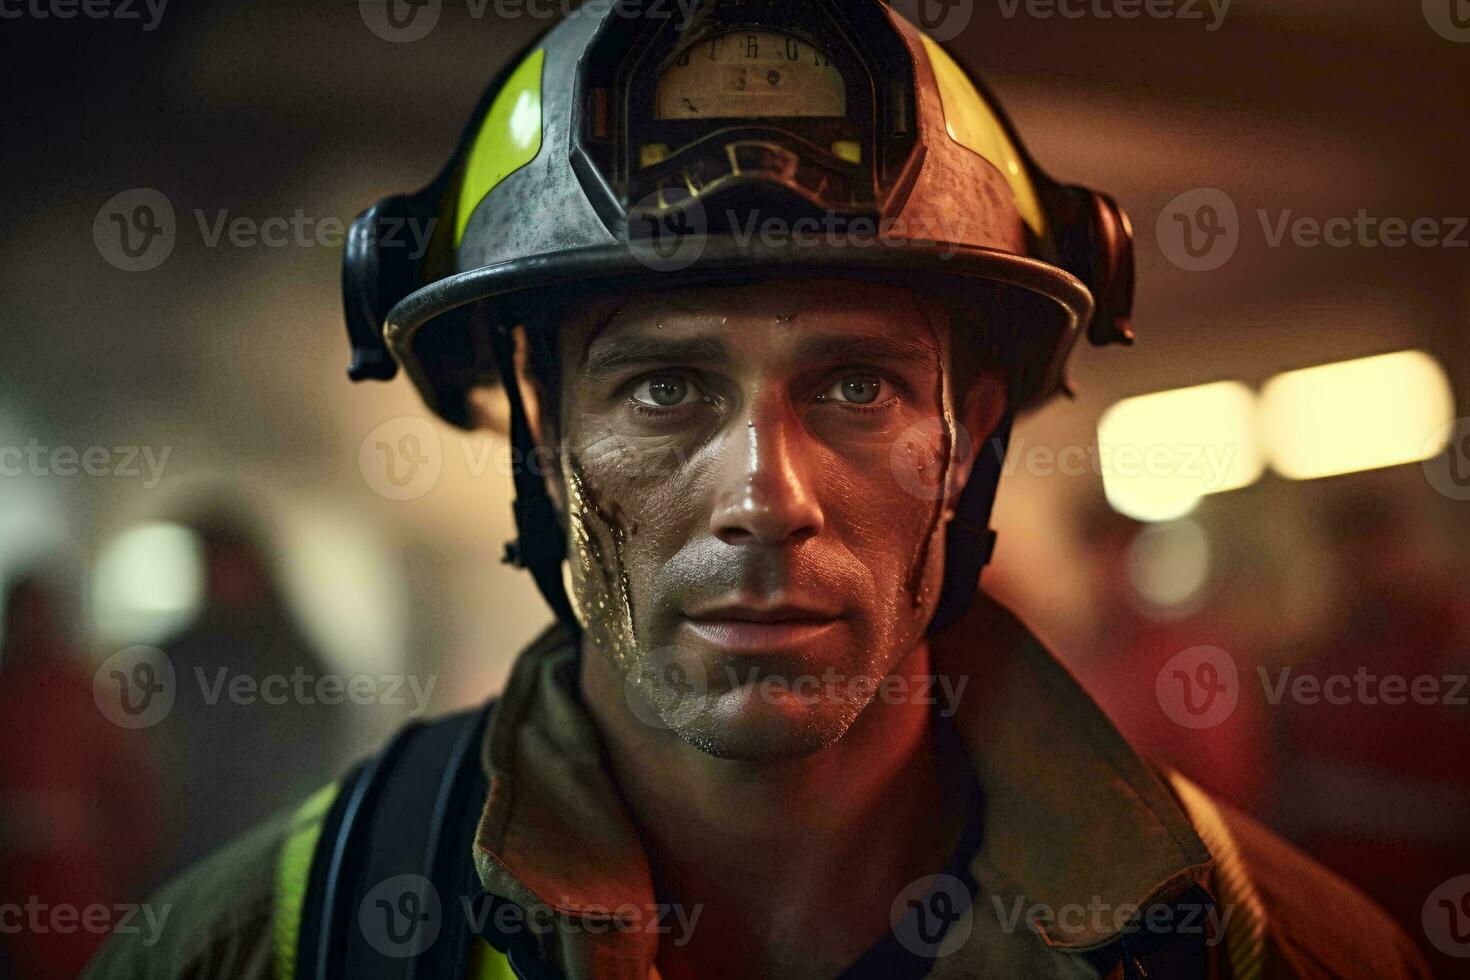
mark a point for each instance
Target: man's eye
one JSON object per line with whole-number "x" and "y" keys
{"x": 665, "y": 391}
{"x": 859, "y": 389}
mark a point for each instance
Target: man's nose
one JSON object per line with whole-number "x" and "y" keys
{"x": 764, "y": 493}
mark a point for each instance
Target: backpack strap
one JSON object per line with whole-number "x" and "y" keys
{"x": 1245, "y": 940}
{"x": 377, "y": 871}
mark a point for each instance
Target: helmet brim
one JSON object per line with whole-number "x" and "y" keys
{"x": 1047, "y": 304}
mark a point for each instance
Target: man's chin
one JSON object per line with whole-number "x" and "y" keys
{"x": 756, "y": 722}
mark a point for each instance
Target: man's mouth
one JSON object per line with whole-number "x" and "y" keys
{"x": 754, "y": 627}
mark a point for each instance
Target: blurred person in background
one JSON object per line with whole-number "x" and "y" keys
{"x": 240, "y": 741}
{"x": 1372, "y": 764}
{"x": 1133, "y": 640}
{"x": 78, "y": 818}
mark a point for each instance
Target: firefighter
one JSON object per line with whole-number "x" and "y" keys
{"x": 757, "y": 293}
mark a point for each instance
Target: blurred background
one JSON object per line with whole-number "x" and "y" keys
{"x": 186, "y": 467}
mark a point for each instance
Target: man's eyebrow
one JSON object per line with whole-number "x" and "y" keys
{"x": 876, "y": 348}
{"x": 623, "y": 351}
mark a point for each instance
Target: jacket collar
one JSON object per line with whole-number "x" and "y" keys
{"x": 1078, "y": 831}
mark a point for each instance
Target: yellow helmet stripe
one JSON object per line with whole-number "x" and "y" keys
{"x": 509, "y": 138}
{"x": 973, "y": 125}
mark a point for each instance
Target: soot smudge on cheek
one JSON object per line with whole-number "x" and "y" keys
{"x": 601, "y": 593}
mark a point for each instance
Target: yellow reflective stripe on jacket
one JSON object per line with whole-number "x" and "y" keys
{"x": 293, "y": 871}
{"x": 1245, "y": 936}
{"x": 488, "y": 963}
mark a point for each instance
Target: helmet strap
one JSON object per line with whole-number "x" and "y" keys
{"x": 540, "y": 543}
{"x": 969, "y": 541}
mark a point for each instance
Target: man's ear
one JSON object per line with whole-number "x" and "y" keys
{"x": 489, "y": 409}
{"x": 981, "y": 407}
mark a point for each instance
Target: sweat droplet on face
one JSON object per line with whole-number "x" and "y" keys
{"x": 940, "y": 457}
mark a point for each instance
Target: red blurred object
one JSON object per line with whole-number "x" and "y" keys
{"x": 76, "y": 796}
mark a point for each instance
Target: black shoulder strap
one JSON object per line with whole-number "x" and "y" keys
{"x": 394, "y": 860}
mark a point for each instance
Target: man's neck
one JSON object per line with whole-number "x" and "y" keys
{"x": 799, "y": 857}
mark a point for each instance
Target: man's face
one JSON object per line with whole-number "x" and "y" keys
{"x": 755, "y": 482}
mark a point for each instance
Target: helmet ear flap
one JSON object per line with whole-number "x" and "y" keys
{"x": 379, "y": 268}
{"x": 1095, "y": 239}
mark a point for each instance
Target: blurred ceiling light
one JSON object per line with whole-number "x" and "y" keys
{"x": 346, "y": 586}
{"x": 148, "y": 583}
{"x": 1161, "y": 453}
{"x": 1169, "y": 564}
{"x": 1355, "y": 415}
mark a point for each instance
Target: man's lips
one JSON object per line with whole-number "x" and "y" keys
{"x": 750, "y": 627}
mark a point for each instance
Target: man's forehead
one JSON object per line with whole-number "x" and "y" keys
{"x": 830, "y": 308}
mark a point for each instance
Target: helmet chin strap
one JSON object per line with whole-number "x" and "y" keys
{"x": 968, "y": 540}
{"x": 540, "y": 544}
